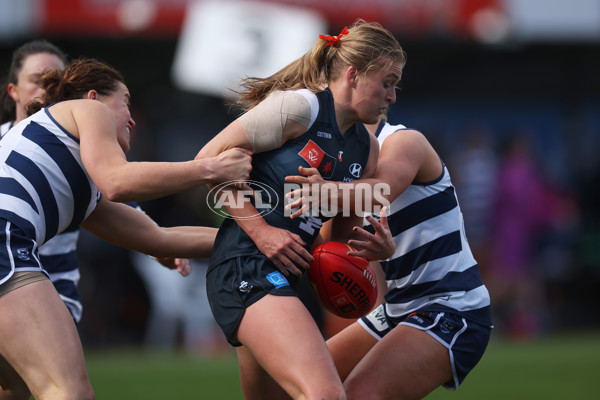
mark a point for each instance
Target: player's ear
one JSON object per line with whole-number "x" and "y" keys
{"x": 352, "y": 76}
{"x": 11, "y": 89}
{"x": 92, "y": 95}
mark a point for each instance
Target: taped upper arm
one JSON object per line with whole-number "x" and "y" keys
{"x": 267, "y": 125}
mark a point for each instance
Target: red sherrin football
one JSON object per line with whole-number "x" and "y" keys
{"x": 345, "y": 285}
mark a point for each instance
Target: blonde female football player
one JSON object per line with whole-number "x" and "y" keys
{"x": 309, "y": 113}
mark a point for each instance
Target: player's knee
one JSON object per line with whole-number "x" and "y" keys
{"x": 79, "y": 392}
{"x": 356, "y": 391}
{"x": 84, "y": 394}
{"x": 84, "y": 391}
{"x": 88, "y": 394}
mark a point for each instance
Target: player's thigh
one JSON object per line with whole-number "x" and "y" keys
{"x": 285, "y": 340}
{"x": 40, "y": 341}
{"x": 407, "y": 363}
{"x": 256, "y": 382}
{"x": 349, "y": 346}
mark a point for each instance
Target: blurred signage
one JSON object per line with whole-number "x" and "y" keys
{"x": 113, "y": 17}
{"x": 165, "y": 17}
{"x": 223, "y": 42}
{"x": 481, "y": 20}
{"x": 18, "y": 18}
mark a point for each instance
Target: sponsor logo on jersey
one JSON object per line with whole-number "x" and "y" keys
{"x": 355, "y": 170}
{"x": 325, "y": 135}
{"x": 318, "y": 159}
{"x": 277, "y": 279}
{"x": 377, "y": 318}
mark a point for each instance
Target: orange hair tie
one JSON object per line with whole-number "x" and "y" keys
{"x": 334, "y": 40}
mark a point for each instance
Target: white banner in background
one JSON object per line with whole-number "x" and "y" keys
{"x": 19, "y": 18}
{"x": 223, "y": 42}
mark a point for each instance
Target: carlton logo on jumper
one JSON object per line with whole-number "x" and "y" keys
{"x": 224, "y": 196}
{"x": 318, "y": 159}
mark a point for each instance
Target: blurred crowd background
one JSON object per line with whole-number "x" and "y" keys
{"x": 508, "y": 91}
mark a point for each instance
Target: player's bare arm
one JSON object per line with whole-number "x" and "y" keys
{"x": 279, "y": 118}
{"x": 124, "y": 226}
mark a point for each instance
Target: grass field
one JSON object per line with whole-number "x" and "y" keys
{"x": 565, "y": 366}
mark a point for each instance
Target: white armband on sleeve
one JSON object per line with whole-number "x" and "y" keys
{"x": 264, "y": 123}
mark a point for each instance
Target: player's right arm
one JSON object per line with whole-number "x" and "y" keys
{"x": 93, "y": 123}
{"x": 127, "y": 227}
{"x": 277, "y": 119}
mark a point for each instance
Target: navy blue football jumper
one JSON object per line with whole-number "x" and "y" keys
{"x": 337, "y": 158}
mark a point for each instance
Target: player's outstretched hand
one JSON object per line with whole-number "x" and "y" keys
{"x": 374, "y": 246}
{"x": 182, "y": 265}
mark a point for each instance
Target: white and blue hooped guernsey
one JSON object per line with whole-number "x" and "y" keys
{"x": 433, "y": 267}
{"x": 59, "y": 259}
{"x": 44, "y": 188}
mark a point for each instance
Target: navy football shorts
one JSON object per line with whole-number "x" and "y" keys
{"x": 18, "y": 253}
{"x": 237, "y": 283}
{"x": 465, "y": 340}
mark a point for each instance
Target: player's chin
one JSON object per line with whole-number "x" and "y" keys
{"x": 375, "y": 116}
{"x": 124, "y": 144}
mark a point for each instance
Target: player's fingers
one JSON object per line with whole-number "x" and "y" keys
{"x": 365, "y": 249}
{"x": 300, "y": 258}
{"x": 242, "y": 185}
{"x": 291, "y": 266}
{"x": 303, "y": 211}
{"x": 383, "y": 218}
{"x": 296, "y": 214}
{"x": 282, "y": 265}
{"x": 297, "y": 202}
{"x": 358, "y": 245}
{"x": 377, "y": 226}
{"x": 167, "y": 262}
{"x": 294, "y": 195}
{"x": 243, "y": 150}
{"x": 297, "y": 179}
{"x": 299, "y": 249}
{"x": 358, "y": 253}
{"x": 383, "y": 233}
{"x": 363, "y": 234}
{"x": 184, "y": 267}
{"x": 308, "y": 171}
{"x": 381, "y": 228}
